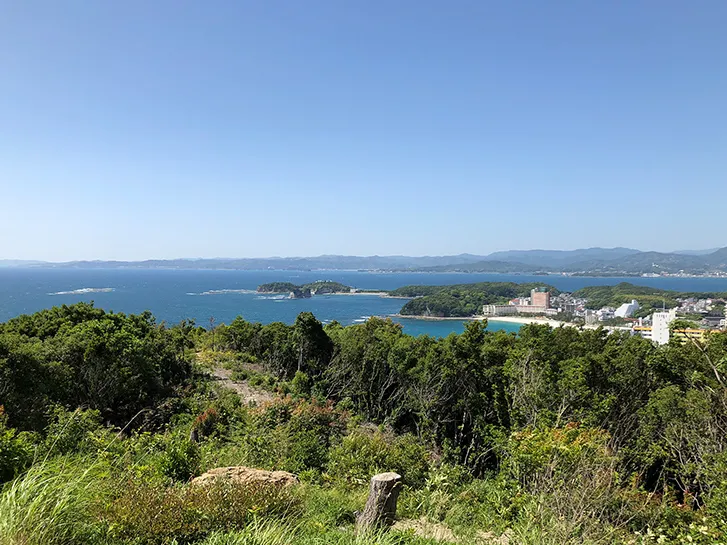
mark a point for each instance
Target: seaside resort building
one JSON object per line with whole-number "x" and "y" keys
{"x": 539, "y": 303}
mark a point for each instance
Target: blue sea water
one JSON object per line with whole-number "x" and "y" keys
{"x": 175, "y": 295}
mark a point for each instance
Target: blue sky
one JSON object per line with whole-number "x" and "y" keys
{"x": 163, "y": 129}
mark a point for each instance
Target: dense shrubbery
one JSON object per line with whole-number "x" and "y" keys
{"x": 80, "y": 356}
{"x": 552, "y": 435}
{"x": 17, "y": 451}
{"x": 365, "y": 452}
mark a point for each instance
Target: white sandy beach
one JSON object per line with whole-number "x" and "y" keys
{"x": 525, "y": 320}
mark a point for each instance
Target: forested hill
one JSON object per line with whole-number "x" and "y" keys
{"x": 320, "y": 287}
{"x": 462, "y": 300}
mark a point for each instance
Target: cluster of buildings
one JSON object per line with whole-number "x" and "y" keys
{"x": 626, "y": 310}
{"x": 660, "y": 330}
{"x": 656, "y": 327}
{"x": 537, "y": 303}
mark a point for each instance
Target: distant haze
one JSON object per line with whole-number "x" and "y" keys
{"x": 592, "y": 261}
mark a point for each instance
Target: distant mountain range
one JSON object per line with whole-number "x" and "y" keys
{"x": 4, "y": 263}
{"x": 609, "y": 261}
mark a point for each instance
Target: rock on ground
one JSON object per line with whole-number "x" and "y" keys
{"x": 247, "y": 475}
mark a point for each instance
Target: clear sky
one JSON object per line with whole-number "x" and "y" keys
{"x": 157, "y": 129}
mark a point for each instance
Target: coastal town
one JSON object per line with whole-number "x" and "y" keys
{"x": 694, "y": 318}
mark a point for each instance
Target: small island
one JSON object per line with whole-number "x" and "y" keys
{"x": 304, "y": 291}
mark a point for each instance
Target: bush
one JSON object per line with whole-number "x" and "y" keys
{"x": 207, "y": 422}
{"x": 153, "y": 514}
{"x": 16, "y": 452}
{"x": 532, "y": 456}
{"x": 72, "y": 431}
{"x": 52, "y": 503}
{"x": 365, "y": 452}
{"x": 180, "y": 460}
{"x": 301, "y": 384}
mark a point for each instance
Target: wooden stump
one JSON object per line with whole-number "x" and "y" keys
{"x": 380, "y": 507}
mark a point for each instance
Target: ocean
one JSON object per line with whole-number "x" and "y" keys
{"x": 202, "y": 295}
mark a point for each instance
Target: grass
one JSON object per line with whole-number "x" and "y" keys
{"x": 71, "y": 501}
{"x": 51, "y": 504}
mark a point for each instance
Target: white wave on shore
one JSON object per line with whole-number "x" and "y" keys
{"x": 273, "y": 297}
{"x": 81, "y": 291}
{"x": 222, "y": 292}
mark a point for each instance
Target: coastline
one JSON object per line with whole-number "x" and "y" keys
{"x": 384, "y": 294}
{"x": 522, "y": 320}
{"x": 435, "y": 318}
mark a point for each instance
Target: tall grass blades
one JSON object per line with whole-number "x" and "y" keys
{"x": 51, "y": 504}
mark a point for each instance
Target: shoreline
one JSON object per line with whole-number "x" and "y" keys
{"x": 383, "y": 294}
{"x": 522, "y": 320}
{"x": 435, "y": 318}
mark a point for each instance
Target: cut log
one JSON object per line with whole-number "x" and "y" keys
{"x": 380, "y": 507}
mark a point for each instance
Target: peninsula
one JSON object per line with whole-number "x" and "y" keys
{"x": 303, "y": 291}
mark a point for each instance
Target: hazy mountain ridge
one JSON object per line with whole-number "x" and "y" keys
{"x": 562, "y": 258}
{"x": 587, "y": 260}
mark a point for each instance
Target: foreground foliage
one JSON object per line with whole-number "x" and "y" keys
{"x": 549, "y": 436}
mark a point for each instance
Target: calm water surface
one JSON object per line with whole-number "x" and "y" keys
{"x": 174, "y": 295}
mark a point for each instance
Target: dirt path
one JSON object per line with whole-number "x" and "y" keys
{"x": 243, "y": 389}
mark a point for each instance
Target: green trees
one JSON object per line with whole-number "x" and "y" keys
{"x": 79, "y": 356}
{"x": 360, "y": 369}
{"x": 312, "y": 344}
{"x": 548, "y": 410}
{"x": 319, "y": 287}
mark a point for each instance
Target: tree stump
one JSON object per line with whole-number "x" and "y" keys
{"x": 380, "y": 507}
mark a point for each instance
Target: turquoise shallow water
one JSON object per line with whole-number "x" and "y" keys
{"x": 174, "y": 295}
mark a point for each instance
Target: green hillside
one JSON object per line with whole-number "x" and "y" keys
{"x": 549, "y": 436}
{"x": 462, "y": 300}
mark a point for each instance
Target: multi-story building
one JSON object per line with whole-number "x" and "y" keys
{"x": 642, "y": 330}
{"x": 590, "y": 317}
{"x": 660, "y": 325}
{"x": 540, "y": 297}
{"x": 531, "y": 309}
{"x": 691, "y": 334}
{"x": 499, "y": 310}
{"x": 606, "y": 313}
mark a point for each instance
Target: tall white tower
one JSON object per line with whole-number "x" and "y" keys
{"x": 660, "y": 325}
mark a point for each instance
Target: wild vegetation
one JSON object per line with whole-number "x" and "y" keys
{"x": 548, "y": 436}
{"x": 462, "y": 300}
